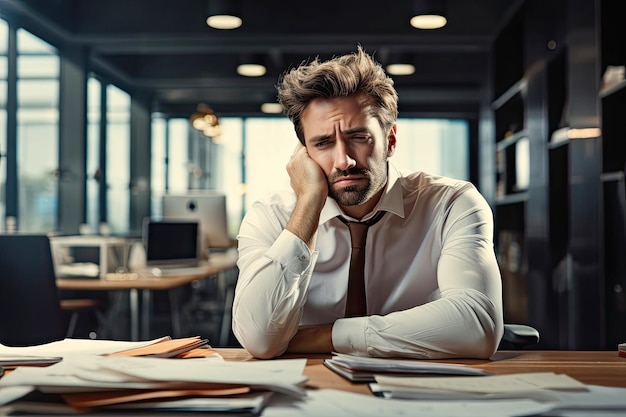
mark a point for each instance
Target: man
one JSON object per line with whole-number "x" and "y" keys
{"x": 432, "y": 284}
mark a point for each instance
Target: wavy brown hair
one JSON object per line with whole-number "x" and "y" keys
{"x": 338, "y": 77}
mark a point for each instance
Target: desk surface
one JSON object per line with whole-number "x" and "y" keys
{"x": 217, "y": 263}
{"x": 588, "y": 367}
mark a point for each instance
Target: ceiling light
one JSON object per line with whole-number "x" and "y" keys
{"x": 224, "y": 14}
{"x": 429, "y": 14}
{"x": 223, "y": 21}
{"x": 400, "y": 69}
{"x": 400, "y": 63}
{"x": 252, "y": 65}
{"x": 206, "y": 121}
{"x": 251, "y": 70}
{"x": 271, "y": 108}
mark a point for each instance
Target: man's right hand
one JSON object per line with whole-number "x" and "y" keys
{"x": 307, "y": 177}
{"x": 311, "y": 187}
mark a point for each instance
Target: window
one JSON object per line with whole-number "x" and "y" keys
{"x": 158, "y": 165}
{"x": 4, "y": 34}
{"x": 437, "y": 146}
{"x": 94, "y": 172}
{"x": 118, "y": 160}
{"x": 178, "y": 155}
{"x": 37, "y": 133}
{"x": 253, "y": 153}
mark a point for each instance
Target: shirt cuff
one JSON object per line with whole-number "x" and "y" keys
{"x": 291, "y": 252}
{"x": 349, "y": 335}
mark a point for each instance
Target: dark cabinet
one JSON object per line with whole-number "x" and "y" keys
{"x": 613, "y": 122}
{"x": 558, "y": 170}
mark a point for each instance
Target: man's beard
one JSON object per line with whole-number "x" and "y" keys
{"x": 351, "y": 195}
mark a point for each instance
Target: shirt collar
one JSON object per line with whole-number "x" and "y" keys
{"x": 391, "y": 201}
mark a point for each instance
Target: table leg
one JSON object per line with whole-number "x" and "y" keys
{"x": 227, "y": 316}
{"x": 146, "y": 310}
{"x": 134, "y": 314}
{"x": 175, "y": 315}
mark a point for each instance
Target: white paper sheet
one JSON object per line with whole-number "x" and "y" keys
{"x": 67, "y": 347}
{"x": 336, "y": 403}
{"x": 93, "y": 373}
{"x": 402, "y": 366}
{"x": 496, "y": 384}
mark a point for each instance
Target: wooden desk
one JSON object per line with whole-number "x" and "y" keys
{"x": 217, "y": 264}
{"x": 593, "y": 367}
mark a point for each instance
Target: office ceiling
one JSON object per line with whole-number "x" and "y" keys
{"x": 164, "y": 49}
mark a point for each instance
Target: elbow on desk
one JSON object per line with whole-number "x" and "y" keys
{"x": 488, "y": 345}
{"x": 261, "y": 350}
{"x": 261, "y": 346}
{"x": 264, "y": 354}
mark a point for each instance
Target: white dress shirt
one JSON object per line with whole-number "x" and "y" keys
{"x": 432, "y": 281}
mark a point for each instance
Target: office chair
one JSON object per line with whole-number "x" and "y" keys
{"x": 77, "y": 306}
{"x": 30, "y": 312}
{"x": 519, "y": 336}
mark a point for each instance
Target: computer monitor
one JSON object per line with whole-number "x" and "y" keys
{"x": 208, "y": 207}
{"x": 170, "y": 242}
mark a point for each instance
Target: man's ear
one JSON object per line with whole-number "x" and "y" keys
{"x": 391, "y": 141}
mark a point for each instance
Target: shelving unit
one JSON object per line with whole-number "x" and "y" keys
{"x": 559, "y": 196}
{"x": 547, "y": 197}
{"x": 511, "y": 147}
{"x": 613, "y": 108}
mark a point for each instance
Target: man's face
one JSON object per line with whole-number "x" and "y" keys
{"x": 350, "y": 147}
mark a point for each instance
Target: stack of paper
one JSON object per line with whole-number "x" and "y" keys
{"x": 51, "y": 353}
{"x": 207, "y": 384}
{"x": 621, "y": 349}
{"x": 537, "y": 385}
{"x": 10, "y": 361}
{"x": 145, "y": 375}
{"x": 363, "y": 369}
{"x": 189, "y": 347}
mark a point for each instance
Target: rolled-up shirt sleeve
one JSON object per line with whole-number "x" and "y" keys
{"x": 275, "y": 268}
{"x": 464, "y": 317}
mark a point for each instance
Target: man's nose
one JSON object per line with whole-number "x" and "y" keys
{"x": 343, "y": 158}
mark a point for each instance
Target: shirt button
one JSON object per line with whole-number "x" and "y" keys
{"x": 303, "y": 258}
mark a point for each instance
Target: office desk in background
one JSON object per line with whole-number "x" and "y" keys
{"x": 217, "y": 265}
{"x": 589, "y": 367}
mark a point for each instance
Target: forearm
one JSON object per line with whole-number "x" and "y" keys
{"x": 270, "y": 294}
{"x": 465, "y": 324}
{"x": 304, "y": 220}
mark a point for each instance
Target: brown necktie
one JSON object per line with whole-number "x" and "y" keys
{"x": 355, "y": 304}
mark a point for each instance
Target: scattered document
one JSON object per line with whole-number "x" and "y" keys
{"x": 169, "y": 348}
{"x": 363, "y": 369}
{"x": 621, "y": 349}
{"x": 96, "y": 373}
{"x": 328, "y": 402}
{"x": 95, "y": 381}
{"x": 250, "y": 404}
{"x": 69, "y": 346}
{"x": 537, "y": 385}
{"x": 163, "y": 347}
{"x": 10, "y": 361}
{"x": 163, "y": 374}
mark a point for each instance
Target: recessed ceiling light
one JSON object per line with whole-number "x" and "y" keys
{"x": 251, "y": 70}
{"x": 224, "y": 14}
{"x": 400, "y": 69}
{"x": 224, "y": 21}
{"x": 428, "y": 21}
{"x": 271, "y": 108}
